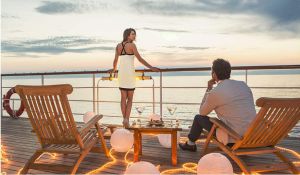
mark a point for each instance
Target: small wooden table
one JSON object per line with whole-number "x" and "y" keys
{"x": 143, "y": 128}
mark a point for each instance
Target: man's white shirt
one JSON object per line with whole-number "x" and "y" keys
{"x": 233, "y": 103}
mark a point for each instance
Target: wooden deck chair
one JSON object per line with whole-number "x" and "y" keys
{"x": 273, "y": 122}
{"x": 51, "y": 118}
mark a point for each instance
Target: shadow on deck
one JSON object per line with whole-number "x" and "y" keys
{"x": 19, "y": 143}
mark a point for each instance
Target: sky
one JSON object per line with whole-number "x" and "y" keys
{"x": 71, "y": 35}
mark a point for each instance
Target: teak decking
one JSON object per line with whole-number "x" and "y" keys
{"x": 19, "y": 143}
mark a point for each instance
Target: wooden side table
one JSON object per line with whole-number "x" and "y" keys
{"x": 139, "y": 130}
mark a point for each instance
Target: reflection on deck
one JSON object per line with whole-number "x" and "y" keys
{"x": 20, "y": 143}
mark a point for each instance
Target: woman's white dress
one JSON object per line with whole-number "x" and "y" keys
{"x": 126, "y": 73}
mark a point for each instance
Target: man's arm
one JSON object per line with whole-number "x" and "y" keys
{"x": 208, "y": 103}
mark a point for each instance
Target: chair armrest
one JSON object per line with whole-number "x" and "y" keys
{"x": 222, "y": 125}
{"x": 85, "y": 128}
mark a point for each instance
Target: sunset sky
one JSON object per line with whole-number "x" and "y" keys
{"x": 45, "y": 36}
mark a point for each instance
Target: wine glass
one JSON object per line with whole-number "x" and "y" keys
{"x": 172, "y": 110}
{"x": 140, "y": 110}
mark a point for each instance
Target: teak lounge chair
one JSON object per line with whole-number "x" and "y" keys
{"x": 51, "y": 118}
{"x": 272, "y": 123}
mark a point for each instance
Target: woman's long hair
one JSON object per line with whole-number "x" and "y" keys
{"x": 126, "y": 33}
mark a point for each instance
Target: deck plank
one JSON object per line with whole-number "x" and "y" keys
{"x": 20, "y": 143}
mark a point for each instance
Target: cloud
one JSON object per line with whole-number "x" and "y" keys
{"x": 58, "y": 7}
{"x": 282, "y": 14}
{"x": 187, "y": 47}
{"x": 15, "y": 48}
{"x": 179, "y": 58}
{"x": 283, "y": 11}
{"x": 194, "y": 48}
{"x": 276, "y": 31}
{"x": 23, "y": 55}
{"x": 164, "y": 30}
{"x": 55, "y": 45}
{"x": 183, "y": 60}
{"x": 166, "y": 7}
{"x": 67, "y": 41}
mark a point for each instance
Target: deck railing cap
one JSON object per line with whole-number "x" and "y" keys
{"x": 179, "y": 69}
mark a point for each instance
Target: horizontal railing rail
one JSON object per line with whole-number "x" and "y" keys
{"x": 189, "y": 87}
{"x": 188, "y": 69}
{"x": 160, "y": 87}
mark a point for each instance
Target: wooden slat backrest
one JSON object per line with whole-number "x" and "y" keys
{"x": 273, "y": 122}
{"x": 50, "y": 114}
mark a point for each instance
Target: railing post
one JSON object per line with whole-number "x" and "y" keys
{"x": 94, "y": 84}
{"x": 153, "y": 96}
{"x": 13, "y": 108}
{"x": 97, "y": 98}
{"x": 160, "y": 88}
{"x": 43, "y": 79}
{"x": 246, "y": 74}
{"x": 2, "y": 99}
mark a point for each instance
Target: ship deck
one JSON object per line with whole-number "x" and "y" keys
{"x": 19, "y": 143}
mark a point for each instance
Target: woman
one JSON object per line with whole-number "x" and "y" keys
{"x": 126, "y": 50}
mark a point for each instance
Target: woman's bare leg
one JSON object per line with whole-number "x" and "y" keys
{"x": 129, "y": 104}
{"x": 123, "y": 102}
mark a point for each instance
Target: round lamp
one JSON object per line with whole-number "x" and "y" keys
{"x": 165, "y": 139}
{"x": 214, "y": 163}
{"x": 142, "y": 167}
{"x": 121, "y": 140}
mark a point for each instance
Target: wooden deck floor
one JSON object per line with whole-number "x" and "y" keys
{"x": 19, "y": 143}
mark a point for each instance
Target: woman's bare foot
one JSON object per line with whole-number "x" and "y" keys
{"x": 125, "y": 123}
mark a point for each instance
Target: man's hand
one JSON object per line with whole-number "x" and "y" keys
{"x": 210, "y": 84}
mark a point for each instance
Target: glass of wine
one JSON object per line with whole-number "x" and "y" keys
{"x": 172, "y": 110}
{"x": 140, "y": 110}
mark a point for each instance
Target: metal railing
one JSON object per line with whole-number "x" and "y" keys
{"x": 160, "y": 87}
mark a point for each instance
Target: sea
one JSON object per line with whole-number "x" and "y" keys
{"x": 181, "y": 91}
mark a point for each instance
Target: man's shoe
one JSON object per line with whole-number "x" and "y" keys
{"x": 186, "y": 146}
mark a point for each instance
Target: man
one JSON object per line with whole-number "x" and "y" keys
{"x": 231, "y": 100}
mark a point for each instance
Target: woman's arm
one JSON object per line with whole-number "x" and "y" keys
{"x": 144, "y": 62}
{"x": 116, "y": 60}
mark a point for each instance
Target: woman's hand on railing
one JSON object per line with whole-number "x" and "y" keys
{"x": 155, "y": 69}
{"x": 111, "y": 71}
